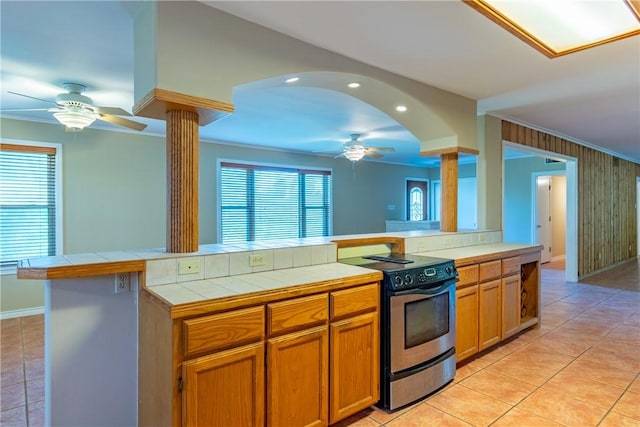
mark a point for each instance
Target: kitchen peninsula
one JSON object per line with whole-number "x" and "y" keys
{"x": 225, "y": 307}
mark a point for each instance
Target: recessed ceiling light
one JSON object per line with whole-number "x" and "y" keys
{"x": 292, "y": 80}
{"x": 354, "y": 85}
{"x": 560, "y": 27}
{"x": 401, "y": 108}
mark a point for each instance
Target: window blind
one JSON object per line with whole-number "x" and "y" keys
{"x": 266, "y": 203}
{"x": 27, "y": 203}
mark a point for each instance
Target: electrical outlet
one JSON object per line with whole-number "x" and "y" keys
{"x": 256, "y": 260}
{"x": 122, "y": 283}
{"x": 482, "y": 237}
{"x": 189, "y": 266}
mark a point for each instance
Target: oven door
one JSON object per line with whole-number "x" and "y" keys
{"x": 422, "y": 324}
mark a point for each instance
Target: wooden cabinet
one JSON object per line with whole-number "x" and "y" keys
{"x": 225, "y": 388}
{"x": 298, "y": 362}
{"x": 466, "y": 322}
{"x": 355, "y": 357}
{"x": 298, "y": 379}
{"x": 495, "y": 299}
{"x": 286, "y": 360}
{"x": 489, "y": 323}
{"x": 510, "y": 290}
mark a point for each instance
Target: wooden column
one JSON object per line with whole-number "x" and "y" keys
{"x": 449, "y": 192}
{"x": 183, "y": 114}
{"x": 182, "y": 181}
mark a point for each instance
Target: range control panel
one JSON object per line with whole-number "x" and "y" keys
{"x": 420, "y": 276}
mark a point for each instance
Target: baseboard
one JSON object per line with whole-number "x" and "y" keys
{"x": 10, "y": 314}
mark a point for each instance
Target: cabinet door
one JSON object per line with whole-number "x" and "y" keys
{"x": 298, "y": 379}
{"x": 510, "y": 305}
{"x": 490, "y": 313}
{"x": 225, "y": 389}
{"x": 466, "y": 322}
{"x": 354, "y": 366}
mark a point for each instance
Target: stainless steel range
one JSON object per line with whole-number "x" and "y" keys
{"x": 417, "y": 327}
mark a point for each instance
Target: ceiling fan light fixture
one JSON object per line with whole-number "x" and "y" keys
{"x": 354, "y": 85}
{"x": 75, "y": 120}
{"x": 354, "y": 152}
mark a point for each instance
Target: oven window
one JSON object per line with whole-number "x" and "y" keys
{"x": 426, "y": 320}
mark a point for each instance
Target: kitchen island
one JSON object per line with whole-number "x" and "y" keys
{"x": 143, "y": 345}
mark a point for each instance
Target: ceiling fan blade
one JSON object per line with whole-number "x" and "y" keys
{"x": 381, "y": 148}
{"x": 113, "y": 111}
{"x": 373, "y": 154}
{"x": 32, "y": 97}
{"x": 122, "y": 122}
{"x": 24, "y": 109}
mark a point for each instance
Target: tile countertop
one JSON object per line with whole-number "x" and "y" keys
{"x": 254, "y": 288}
{"x": 479, "y": 253}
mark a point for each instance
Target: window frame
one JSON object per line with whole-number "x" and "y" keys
{"x": 271, "y": 166}
{"x": 9, "y": 270}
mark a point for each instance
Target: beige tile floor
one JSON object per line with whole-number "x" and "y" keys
{"x": 580, "y": 368}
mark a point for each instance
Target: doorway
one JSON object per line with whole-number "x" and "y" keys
{"x": 548, "y": 204}
{"x": 571, "y": 199}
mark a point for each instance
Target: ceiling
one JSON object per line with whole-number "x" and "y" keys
{"x": 592, "y": 97}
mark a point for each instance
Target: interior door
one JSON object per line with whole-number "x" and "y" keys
{"x": 543, "y": 216}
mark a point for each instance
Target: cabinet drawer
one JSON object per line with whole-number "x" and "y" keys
{"x": 223, "y": 330}
{"x": 467, "y": 275}
{"x": 296, "y": 313}
{"x": 511, "y": 266}
{"x": 354, "y": 300}
{"x": 490, "y": 270}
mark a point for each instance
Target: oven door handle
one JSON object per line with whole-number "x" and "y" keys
{"x": 427, "y": 291}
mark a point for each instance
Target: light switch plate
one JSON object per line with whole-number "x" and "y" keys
{"x": 189, "y": 266}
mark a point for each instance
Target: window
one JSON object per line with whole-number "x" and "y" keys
{"x": 29, "y": 196}
{"x": 417, "y": 200}
{"x": 261, "y": 202}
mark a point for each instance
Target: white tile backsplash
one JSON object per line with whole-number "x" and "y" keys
{"x": 161, "y": 272}
{"x": 239, "y": 263}
{"x": 302, "y": 256}
{"x": 282, "y": 258}
{"x": 318, "y": 254}
{"x": 216, "y": 266}
{"x": 332, "y": 253}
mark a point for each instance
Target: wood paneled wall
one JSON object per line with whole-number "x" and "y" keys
{"x": 607, "y": 224}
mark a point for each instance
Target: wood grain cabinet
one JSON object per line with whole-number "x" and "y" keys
{"x": 495, "y": 299}
{"x": 300, "y": 361}
{"x": 225, "y": 388}
{"x": 489, "y": 310}
{"x": 355, "y": 359}
{"x": 510, "y": 294}
{"x": 467, "y": 312}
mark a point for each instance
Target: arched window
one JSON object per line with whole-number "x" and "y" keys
{"x": 417, "y": 200}
{"x": 416, "y": 204}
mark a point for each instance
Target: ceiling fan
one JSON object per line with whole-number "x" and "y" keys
{"x": 354, "y": 150}
{"x": 77, "y": 111}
